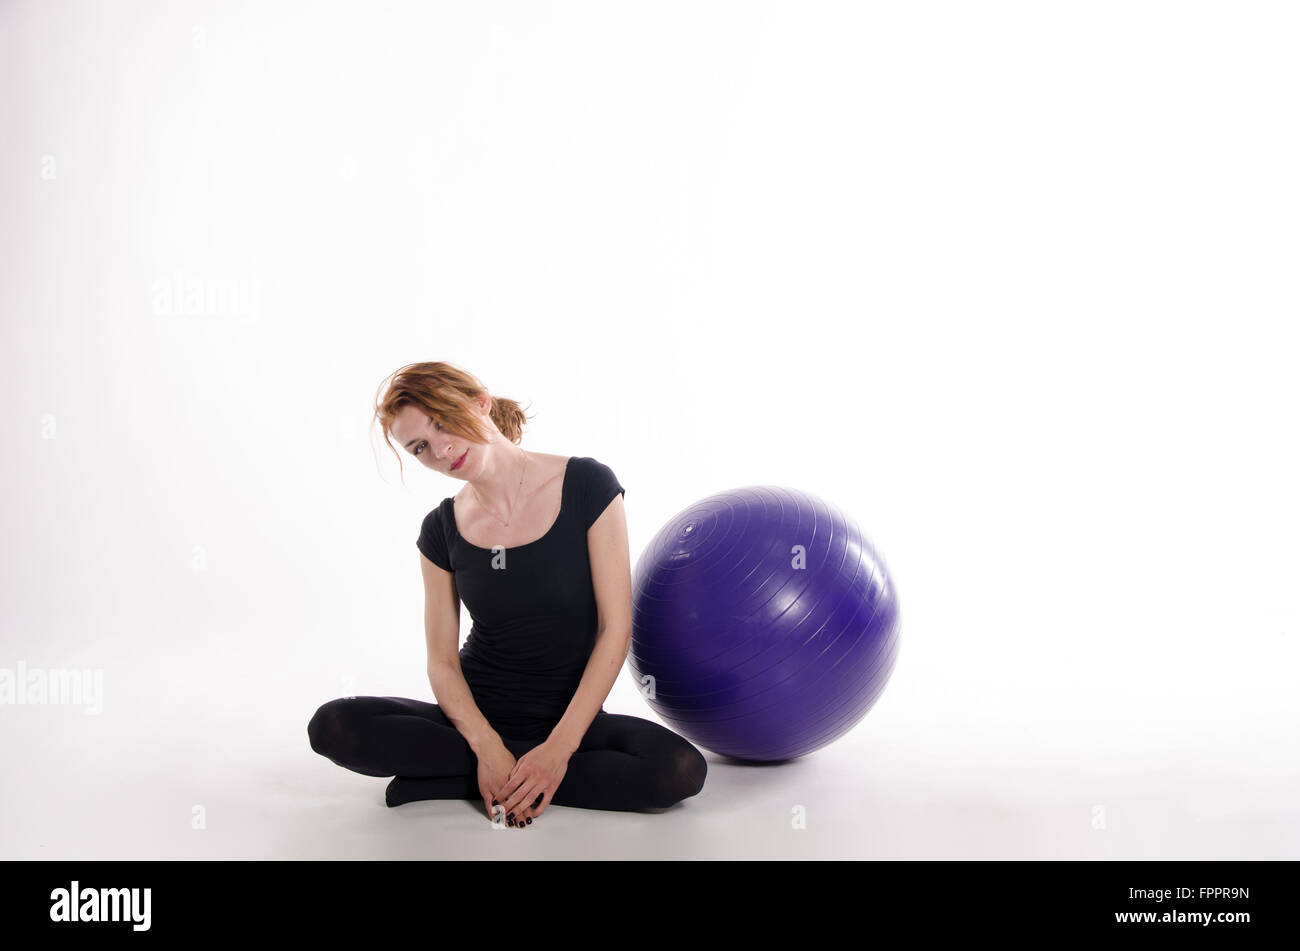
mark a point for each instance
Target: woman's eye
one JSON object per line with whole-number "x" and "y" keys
{"x": 419, "y": 447}
{"x": 437, "y": 425}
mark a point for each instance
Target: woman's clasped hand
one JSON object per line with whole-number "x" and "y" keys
{"x": 518, "y": 791}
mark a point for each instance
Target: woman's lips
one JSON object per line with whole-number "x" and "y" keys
{"x": 457, "y": 464}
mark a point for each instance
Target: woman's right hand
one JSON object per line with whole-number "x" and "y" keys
{"x": 494, "y": 768}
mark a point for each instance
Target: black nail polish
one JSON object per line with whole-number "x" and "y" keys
{"x": 529, "y": 820}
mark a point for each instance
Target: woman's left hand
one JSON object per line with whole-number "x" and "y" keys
{"x": 537, "y": 772}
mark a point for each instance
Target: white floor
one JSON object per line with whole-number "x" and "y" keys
{"x": 196, "y": 757}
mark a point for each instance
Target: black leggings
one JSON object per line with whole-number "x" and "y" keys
{"x": 623, "y": 763}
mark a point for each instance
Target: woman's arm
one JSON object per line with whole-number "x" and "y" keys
{"x": 602, "y": 670}
{"x": 455, "y": 700}
{"x": 442, "y": 635}
{"x": 611, "y": 579}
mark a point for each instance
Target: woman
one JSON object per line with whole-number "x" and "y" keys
{"x": 536, "y": 546}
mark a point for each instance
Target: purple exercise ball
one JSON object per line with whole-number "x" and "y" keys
{"x": 764, "y": 623}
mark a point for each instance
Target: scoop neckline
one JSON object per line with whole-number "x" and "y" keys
{"x": 564, "y": 489}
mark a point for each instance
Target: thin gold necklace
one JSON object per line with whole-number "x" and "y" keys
{"x": 517, "y": 491}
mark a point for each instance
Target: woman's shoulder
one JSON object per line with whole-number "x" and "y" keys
{"x": 438, "y": 514}
{"x": 585, "y": 470}
{"x": 591, "y": 467}
{"x": 557, "y": 465}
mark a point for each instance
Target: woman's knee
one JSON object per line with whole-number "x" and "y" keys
{"x": 684, "y": 774}
{"x": 331, "y": 727}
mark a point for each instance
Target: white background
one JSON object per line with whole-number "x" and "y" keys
{"x": 1013, "y": 284}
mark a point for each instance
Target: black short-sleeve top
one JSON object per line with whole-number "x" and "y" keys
{"x": 533, "y": 606}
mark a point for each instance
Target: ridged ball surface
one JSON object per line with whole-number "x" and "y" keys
{"x": 766, "y": 619}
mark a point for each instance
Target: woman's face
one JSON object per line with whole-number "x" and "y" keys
{"x": 424, "y": 437}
